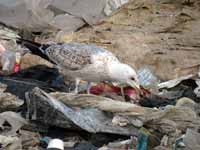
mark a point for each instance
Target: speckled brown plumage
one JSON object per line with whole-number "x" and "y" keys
{"x": 75, "y": 56}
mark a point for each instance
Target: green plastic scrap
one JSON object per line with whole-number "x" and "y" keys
{"x": 143, "y": 139}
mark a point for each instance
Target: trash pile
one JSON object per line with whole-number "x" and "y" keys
{"x": 39, "y": 111}
{"x": 36, "y": 111}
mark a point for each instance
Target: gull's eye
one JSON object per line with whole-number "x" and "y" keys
{"x": 132, "y": 78}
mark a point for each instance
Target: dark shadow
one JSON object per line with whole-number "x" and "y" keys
{"x": 27, "y": 79}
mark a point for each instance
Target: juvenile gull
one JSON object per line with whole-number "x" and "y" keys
{"x": 85, "y": 62}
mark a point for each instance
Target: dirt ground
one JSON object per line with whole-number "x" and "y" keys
{"x": 163, "y": 35}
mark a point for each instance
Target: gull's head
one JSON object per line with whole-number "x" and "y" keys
{"x": 125, "y": 74}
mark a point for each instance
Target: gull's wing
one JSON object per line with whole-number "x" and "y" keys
{"x": 75, "y": 56}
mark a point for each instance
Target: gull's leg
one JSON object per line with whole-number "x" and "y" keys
{"x": 77, "y": 84}
{"x": 122, "y": 92}
{"x": 88, "y": 87}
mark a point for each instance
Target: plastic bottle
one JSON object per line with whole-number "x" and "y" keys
{"x": 7, "y": 60}
{"x": 147, "y": 79}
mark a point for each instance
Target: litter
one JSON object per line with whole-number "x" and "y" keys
{"x": 14, "y": 120}
{"x": 173, "y": 83}
{"x": 56, "y": 144}
{"x": 10, "y": 61}
{"x": 142, "y": 140}
{"x": 38, "y": 109}
{"x": 147, "y": 79}
{"x": 91, "y": 120}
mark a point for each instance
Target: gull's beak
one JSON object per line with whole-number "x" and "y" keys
{"x": 134, "y": 84}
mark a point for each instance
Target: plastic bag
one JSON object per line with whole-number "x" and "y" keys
{"x": 147, "y": 79}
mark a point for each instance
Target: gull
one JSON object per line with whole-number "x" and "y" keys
{"x": 84, "y": 62}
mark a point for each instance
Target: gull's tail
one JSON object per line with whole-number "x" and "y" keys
{"x": 35, "y": 48}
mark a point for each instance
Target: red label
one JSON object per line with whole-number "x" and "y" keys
{"x": 16, "y": 68}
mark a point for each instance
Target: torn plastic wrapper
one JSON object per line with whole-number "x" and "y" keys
{"x": 44, "y": 108}
{"x": 14, "y": 120}
{"x": 173, "y": 83}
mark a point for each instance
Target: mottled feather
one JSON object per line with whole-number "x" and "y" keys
{"x": 75, "y": 56}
